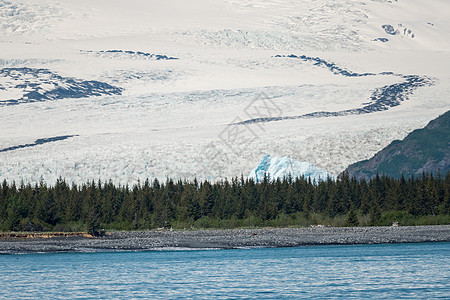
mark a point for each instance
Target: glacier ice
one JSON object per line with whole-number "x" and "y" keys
{"x": 281, "y": 167}
{"x": 27, "y": 85}
{"x": 168, "y": 112}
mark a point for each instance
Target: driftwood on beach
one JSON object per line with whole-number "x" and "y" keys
{"x": 42, "y": 235}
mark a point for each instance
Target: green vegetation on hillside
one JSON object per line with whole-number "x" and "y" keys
{"x": 226, "y": 204}
{"x": 423, "y": 150}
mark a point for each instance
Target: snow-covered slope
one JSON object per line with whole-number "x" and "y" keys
{"x": 24, "y": 85}
{"x": 274, "y": 168}
{"x": 204, "y": 88}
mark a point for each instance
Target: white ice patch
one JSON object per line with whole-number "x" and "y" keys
{"x": 19, "y": 17}
{"x": 274, "y": 168}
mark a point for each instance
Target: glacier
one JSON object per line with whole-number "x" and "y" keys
{"x": 282, "y": 167}
{"x": 172, "y": 89}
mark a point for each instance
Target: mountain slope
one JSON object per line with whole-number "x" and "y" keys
{"x": 282, "y": 167}
{"x": 423, "y": 150}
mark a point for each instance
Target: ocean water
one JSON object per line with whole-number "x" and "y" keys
{"x": 395, "y": 271}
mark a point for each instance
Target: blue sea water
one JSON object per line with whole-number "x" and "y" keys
{"x": 395, "y": 271}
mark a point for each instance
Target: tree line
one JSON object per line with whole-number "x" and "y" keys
{"x": 225, "y": 204}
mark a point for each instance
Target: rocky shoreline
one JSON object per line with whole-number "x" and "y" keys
{"x": 226, "y": 239}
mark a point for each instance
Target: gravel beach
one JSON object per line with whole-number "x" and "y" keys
{"x": 227, "y": 239}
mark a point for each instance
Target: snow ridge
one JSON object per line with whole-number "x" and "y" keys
{"x": 38, "y": 142}
{"x": 128, "y": 54}
{"x": 25, "y": 85}
{"x": 382, "y": 98}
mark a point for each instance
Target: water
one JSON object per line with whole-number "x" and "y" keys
{"x": 363, "y": 271}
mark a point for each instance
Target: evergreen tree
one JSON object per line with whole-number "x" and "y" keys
{"x": 352, "y": 219}
{"x": 375, "y": 214}
{"x": 152, "y": 205}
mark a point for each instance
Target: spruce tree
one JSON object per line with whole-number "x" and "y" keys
{"x": 352, "y": 219}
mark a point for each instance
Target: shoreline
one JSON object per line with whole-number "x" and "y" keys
{"x": 224, "y": 239}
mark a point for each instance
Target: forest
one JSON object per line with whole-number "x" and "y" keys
{"x": 236, "y": 203}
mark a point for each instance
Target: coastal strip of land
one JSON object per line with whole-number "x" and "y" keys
{"x": 221, "y": 239}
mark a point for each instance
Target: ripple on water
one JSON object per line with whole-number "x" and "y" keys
{"x": 359, "y": 271}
